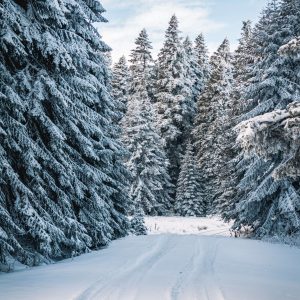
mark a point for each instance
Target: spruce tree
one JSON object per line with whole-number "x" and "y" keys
{"x": 202, "y": 58}
{"x": 120, "y": 85}
{"x": 174, "y": 99}
{"x": 150, "y": 184}
{"x": 137, "y": 223}
{"x": 63, "y": 186}
{"x": 190, "y": 199}
{"x": 272, "y": 86}
{"x": 278, "y": 132}
{"x": 212, "y": 122}
{"x": 243, "y": 60}
{"x": 194, "y": 72}
{"x": 141, "y": 61}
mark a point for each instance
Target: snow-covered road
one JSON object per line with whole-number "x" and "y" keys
{"x": 166, "y": 266}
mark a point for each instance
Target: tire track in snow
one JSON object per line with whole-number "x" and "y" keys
{"x": 87, "y": 293}
{"x": 185, "y": 274}
{"x": 110, "y": 286}
{"x": 197, "y": 280}
{"x": 147, "y": 267}
{"x": 211, "y": 285}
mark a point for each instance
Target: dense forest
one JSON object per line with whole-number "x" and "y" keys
{"x": 85, "y": 144}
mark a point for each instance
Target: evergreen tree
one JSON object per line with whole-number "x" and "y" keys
{"x": 278, "y": 132}
{"x": 272, "y": 86}
{"x": 141, "y": 60}
{"x": 62, "y": 183}
{"x": 194, "y": 72}
{"x": 120, "y": 84}
{"x": 148, "y": 164}
{"x": 243, "y": 60}
{"x": 211, "y": 126}
{"x": 202, "y": 59}
{"x": 138, "y": 223}
{"x": 174, "y": 99}
{"x": 189, "y": 193}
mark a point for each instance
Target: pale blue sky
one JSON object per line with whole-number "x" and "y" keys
{"x": 215, "y": 18}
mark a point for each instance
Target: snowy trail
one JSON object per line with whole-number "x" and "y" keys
{"x": 129, "y": 274}
{"x": 173, "y": 259}
{"x": 166, "y": 266}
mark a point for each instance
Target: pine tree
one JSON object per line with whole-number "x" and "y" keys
{"x": 62, "y": 183}
{"x": 202, "y": 59}
{"x": 189, "y": 193}
{"x": 211, "y": 125}
{"x": 138, "y": 223}
{"x": 267, "y": 89}
{"x": 120, "y": 85}
{"x": 141, "y": 61}
{"x": 148, "y": 164}
{"x": 261, "y": 196}
{"x": 174, "y": 99}
{"x": 243, "y": 59}
{"x": 277, "y": 132}
{"x": 194, "y": 72}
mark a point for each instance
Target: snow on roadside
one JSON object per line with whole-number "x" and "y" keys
{"x": 187, "y": 225}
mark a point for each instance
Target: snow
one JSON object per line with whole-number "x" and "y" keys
{"x": 167, "y": 264}
{"x": 187, "y": 225}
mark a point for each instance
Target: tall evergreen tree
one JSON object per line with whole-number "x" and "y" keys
{"x": 189, "y": 193}
{"x": 243, "y": 60}
{"x": 174, "y": 99}
{"x": 277, "y": 132}
{"x": 63, "y": 186}
{"x": 210, "y": 133}
{"x": 141, "y": 61}
{"x": 194, "y": 72}
{"x": 272, "y": 86}
{"x": 147, "y": 162}
{"x": 202, "y": 58}
{"x": 120, "y": 85}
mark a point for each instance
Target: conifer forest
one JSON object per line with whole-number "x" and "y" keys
{"x": 98, "y": 156}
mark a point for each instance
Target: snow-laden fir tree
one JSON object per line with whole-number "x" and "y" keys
{"x": 268, "y": 87}
{"x": 141, "y": 61}
{"x": 194, "y": 70}
{"x": 248, "y": 74}
{"x": 62, "y": 183}
{"x": 174, "y": 99}
{"x": 272, "y": 86}
{"x": 137, "y": 223}
{"x": 147, "y": 162}
{"x": 243, "y": 60}
{"x": 211, "y": 126}
{"x": 190, "y": 199}
{"x": 278, "y": 133}
{"x": 120, "y": 84}
{"x": 222, "y": 127}
{"x": 202, "y": 58}
{"x": 150, "y": 184}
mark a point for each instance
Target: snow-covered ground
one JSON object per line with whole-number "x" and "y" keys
{"x": 188, "y": 225}
{"x": 167, "y": 266}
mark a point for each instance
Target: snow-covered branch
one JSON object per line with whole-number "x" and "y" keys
{"x": 274, "y": 133}
{"x": 292, "y": 47}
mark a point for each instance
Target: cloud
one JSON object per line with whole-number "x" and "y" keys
{"x": 194, "y": 17}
